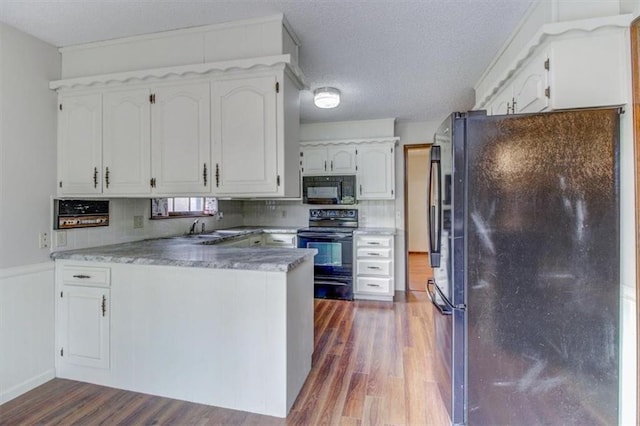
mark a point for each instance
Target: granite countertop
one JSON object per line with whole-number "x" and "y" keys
{"x": 376, "y": 231}
{"x": 196, "y": 252}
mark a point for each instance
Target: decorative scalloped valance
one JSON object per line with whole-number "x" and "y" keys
{"x": 393, "y": 140}
{"x": 183, "y": 71}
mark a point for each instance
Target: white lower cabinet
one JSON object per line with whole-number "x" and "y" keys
{"x": 374, "y": 266}
{"x": 280, "y": 240}
{"x": 83, "y": 317}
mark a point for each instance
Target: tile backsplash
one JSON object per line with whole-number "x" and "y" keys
{"x": 236, "y": 213}
{"x": 121, "y": 229}
{"x": 378, "y": 214}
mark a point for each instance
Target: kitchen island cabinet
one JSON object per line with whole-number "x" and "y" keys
{"x": 224, "y": 326}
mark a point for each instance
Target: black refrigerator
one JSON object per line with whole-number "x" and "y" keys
{"x": 524, "y": 242}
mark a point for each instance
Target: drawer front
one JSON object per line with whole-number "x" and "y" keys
{"x": 380, "y": 253}
{"x": 86, "y": 275}
{"x": 374, "y": 285}
{"x": 374, "y": 241}
{"x": 374, "y": 267}
{"x": 280, "y": 240}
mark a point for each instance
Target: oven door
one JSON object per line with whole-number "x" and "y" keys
{"x": 335, "y": 252}
{"x": 333, "y": 265}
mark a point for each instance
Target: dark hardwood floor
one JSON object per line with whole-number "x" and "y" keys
{"x": 419, "y": 271}
{"x": 372, "y": 365}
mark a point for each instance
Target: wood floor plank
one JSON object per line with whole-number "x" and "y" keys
{"x": 371, "y": 365}
{"x": 354, "y": 405}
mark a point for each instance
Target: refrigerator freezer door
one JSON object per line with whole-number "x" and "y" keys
{"x": 542, "y": 268}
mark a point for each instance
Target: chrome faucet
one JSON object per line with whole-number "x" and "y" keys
{"x": 192, "y": 230}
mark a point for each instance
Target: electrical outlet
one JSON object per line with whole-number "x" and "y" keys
{"x": 43, "y": 240}
{"x": 138, "y": 222}
{"x": 61, "y": 238}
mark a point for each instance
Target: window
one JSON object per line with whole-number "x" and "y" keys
{"x": 163, "y": 208}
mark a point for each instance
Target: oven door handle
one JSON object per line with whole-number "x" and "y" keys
{"x": 334, "y": 283}
{"x": 324, "y": 236}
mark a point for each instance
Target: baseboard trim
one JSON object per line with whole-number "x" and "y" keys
{"x": 33, "y": 268}
{"x": 27, "y": 385}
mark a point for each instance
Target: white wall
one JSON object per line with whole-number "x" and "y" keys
{"x": 28, "y": 140}
{"x": 27, "y": 181}
{"x": 417, "y": 181}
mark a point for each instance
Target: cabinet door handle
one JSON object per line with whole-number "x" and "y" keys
{"x": 104, "y": 305}
{"x": 360, "y": 189}
{"x": 331, "y": 165}
{"x": 95, "y": 177}
{"x": 217, "y": 175}
{"x": 106, "y": 176}
{"x": 325, "y": 165}
{"x": 204, "y": 174}
{"x": 82, "y": 276}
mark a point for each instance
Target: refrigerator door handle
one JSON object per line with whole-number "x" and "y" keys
{"x": 434, "y": 198}
{"x": 437, "y": 299}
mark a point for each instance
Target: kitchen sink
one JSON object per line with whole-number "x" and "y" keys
{"x": 228, "y": 231}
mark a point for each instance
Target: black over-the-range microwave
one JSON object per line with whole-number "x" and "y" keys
{"x": 329, "y": 189}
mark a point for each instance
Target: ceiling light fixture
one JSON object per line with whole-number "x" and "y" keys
{"x": 326, "y": 97}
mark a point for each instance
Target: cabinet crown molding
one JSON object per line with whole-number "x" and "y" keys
{"x": 393, "y": 140}
{"x": 545, "y": 35}
{"x": 184, "y": 71}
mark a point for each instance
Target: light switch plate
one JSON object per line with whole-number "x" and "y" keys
{"x": 43, "y": 240}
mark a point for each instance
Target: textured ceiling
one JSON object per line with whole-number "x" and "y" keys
{"x": 408, "y": 59}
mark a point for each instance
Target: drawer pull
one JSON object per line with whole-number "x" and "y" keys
{"x": 278, "y": 241}
{"x": 373, "y": 267}
{"x": 373, "y": 285}
{"x": 373, "y": 243}
{"x": 82, "y": 276}
{"x": 373, "y": 254}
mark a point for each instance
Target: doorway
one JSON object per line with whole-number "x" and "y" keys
{"x": 416, "y": 179}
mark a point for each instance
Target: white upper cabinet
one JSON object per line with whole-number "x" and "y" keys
{"x": 80, "y": 144}
{"x": 126, "y": 151}
{"x": 376, "y": 175}
{"x": 529, "y": 86}
{"x": 313, "y": 160}
{"x": 575, "y": 64}
{"x": 136, "y": 142}
{"x": 321, "y": 160}
{"x": 180, "y": 139}
{"x": 211, "y": 110}
{"x": 244, "y": 136}
{"x": 255, "y": 122}
{"x": 342, "y": 159}
{"x": 372, "y": 160}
